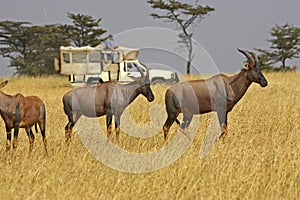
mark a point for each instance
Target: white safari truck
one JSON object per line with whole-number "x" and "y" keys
{"x": 88, "y": 65}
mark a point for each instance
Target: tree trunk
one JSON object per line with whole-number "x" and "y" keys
{"x": 188, "y": 68}
{"x": 283, "y": 64}
{"x": 189, "y": 62}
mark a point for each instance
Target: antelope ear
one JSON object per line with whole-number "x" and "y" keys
{"x": 4, "y": 83}
{"x": 246, "y": 66}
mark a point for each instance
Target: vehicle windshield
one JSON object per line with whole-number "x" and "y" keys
{"x": 133, "y": 67}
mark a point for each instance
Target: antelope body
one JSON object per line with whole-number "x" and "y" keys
{"x": 109, "y": 98}
{"x": 219, "y": 93}
{"x": 17, "y": 112}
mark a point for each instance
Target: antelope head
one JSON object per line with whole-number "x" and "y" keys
{"x": 145, "y": 88}
{"x": 254, "y": 73}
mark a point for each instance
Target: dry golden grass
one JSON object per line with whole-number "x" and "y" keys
{"x": 259, "y": 158}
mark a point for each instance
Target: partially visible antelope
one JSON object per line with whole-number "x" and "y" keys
{"x": 17, "y": 112}
{"x": 219, "y": 93}
{"x": 109, "y": 98}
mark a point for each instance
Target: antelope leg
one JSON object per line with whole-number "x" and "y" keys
{"x": 117, "y": 126}
{"x": 108, "y": 124}
{"x": 222, "y": 115}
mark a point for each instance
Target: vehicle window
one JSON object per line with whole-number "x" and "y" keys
{"x": 131, "y": 67}
{"x": 66, "y": 57}
{"x": 79, "y": 57}
{"x": 94, "y": 57}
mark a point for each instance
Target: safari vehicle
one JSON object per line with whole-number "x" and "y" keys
{"x": 90, "y": 65}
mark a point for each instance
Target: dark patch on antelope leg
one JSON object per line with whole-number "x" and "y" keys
{"x": 185, "y": 124}
{"x": 223, "y": 131}
{"x": 170, "y": 120}
{"x": 222, "y": 116}
{"x": 44, "y": 140}
{"x": 16, "y": 133}
{"x": 30, "y": 138}
{"x": 166, "y": 130}
{"x": 117, "y": 126}
{"x": 108, "y": 124}
{"x": 8, "y": 140}
{"x": 8, "y": 137}
{"x": 68, "y": 131}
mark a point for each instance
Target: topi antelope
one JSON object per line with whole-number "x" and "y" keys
{"x": 109, "y": 98}
{"x": 219, "y": 93}
{"x": 17, "y": 112}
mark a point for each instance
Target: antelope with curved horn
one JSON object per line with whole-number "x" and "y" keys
{"x": 109, "y": 98}
{"x": 219, "y": 93}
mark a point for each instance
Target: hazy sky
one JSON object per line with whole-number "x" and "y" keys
{"x": 234, "y": 23}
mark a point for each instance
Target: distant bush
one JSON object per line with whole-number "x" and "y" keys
{"x": 279, "y": 69}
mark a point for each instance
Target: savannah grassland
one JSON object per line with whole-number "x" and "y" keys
{"x": 258, "y": 159}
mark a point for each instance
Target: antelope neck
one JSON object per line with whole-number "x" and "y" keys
{"x": 239, "y": 84}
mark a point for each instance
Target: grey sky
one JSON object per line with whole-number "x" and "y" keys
{"x": 234, "y": 23}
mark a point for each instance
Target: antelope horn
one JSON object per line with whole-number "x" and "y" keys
{"x": 248, "y": 55}
{"x": 147, "y": 71}
{"x": 254, "y": 56}
{"x": 141, "y": 71}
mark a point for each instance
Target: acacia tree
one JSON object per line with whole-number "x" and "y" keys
{"x": 13, "y": 42}
{"x": 85, "y": 30}
{"x": 44, "y": 46}
{"x": 31, "y": 48}
{"x": 184, "y": 15}
{"x": 285, "y": 44}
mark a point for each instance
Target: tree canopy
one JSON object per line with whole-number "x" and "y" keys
{"x": 31, "y": 48}
{"x": 284, "y": 45}
{"x": 184, "y": 15}
{"x": 85, "y": 30}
